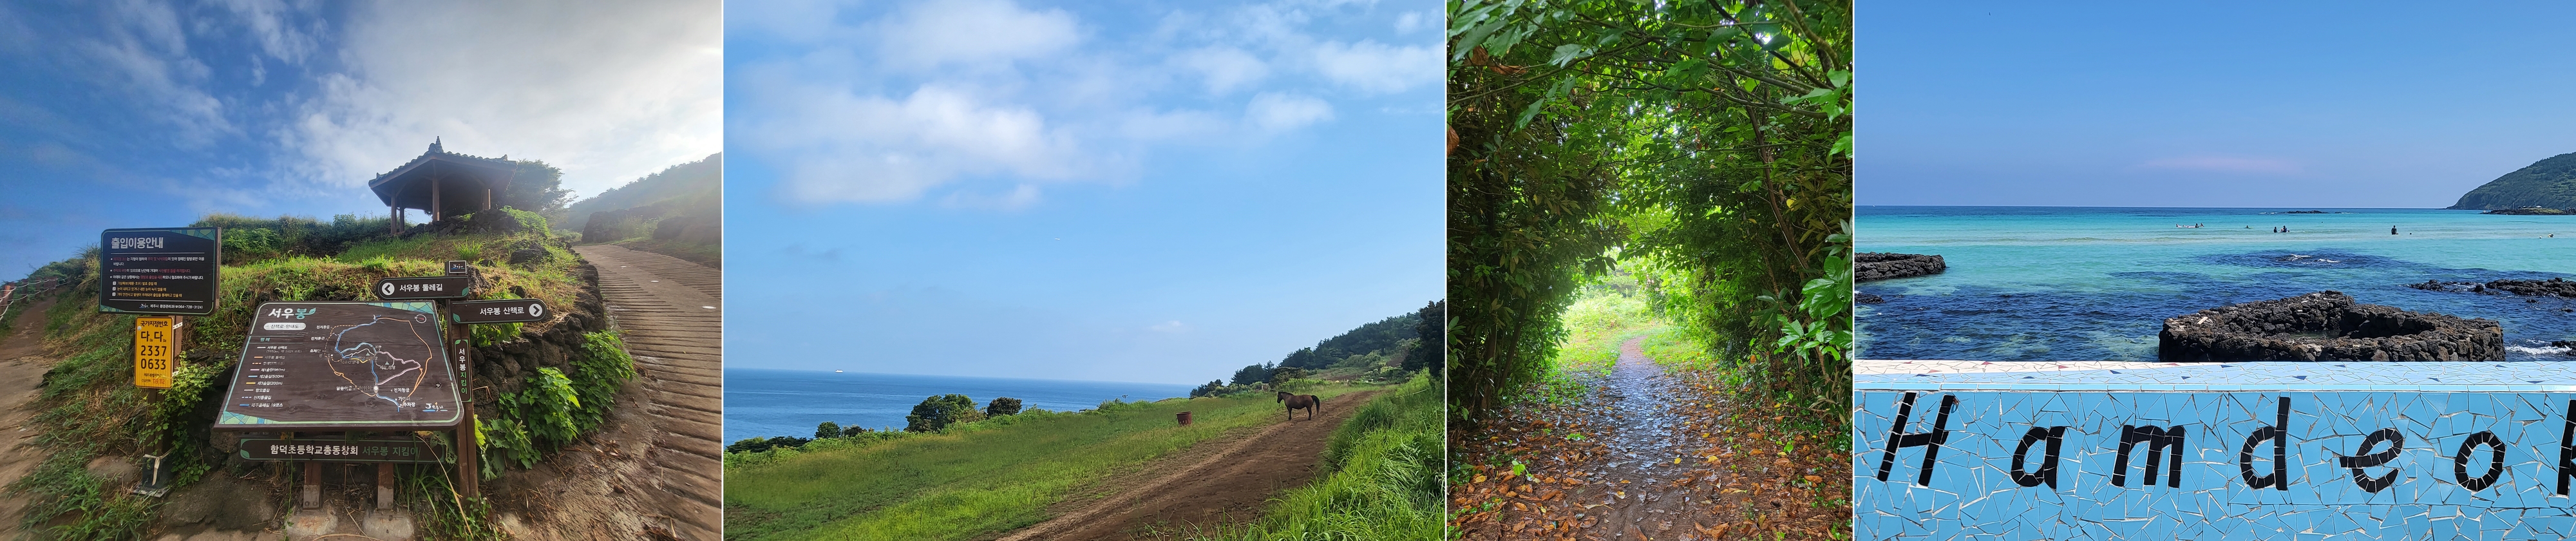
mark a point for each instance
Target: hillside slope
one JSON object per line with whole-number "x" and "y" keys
{"x": 2549, "y": 183}
{"x": 678, "y": 212}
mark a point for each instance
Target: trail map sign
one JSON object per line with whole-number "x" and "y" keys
{"x": 159, "y": 271}
{"x": 315, "y": 366}
{"x": 500, "y": 311}
{"x": 424, "y": 287}
{"x": 153, "y": 352}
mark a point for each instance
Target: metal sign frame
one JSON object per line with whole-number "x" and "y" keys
{"x": 110, "y": 250}
{"x": 230, "y": 421}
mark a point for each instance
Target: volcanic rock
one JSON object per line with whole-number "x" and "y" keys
{"x": 2326, "y": 326}
{"x": 1868, "y": 266}
{"x": 2554, "y": 287}
{"x": 1865, "y": 298}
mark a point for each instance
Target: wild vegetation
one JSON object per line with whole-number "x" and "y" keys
{"x": 678, "y": 212}
{"x": 1705, "y": 147}
{"x": 1382, "y": 477}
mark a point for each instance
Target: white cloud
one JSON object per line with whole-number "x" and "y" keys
{"x": 606, "y": 91}
{"x": 145, "y": 50}
{"x": 1168, "y": 327}
{"x": 2225, "y": 164}
{"x": 870, "y": 149}
{"x": 1276, "y": 112}
{"x": 268, "y": 25}
{"x": 941, "y": 32}
{"x": 1408, "y": 22}
{"x": 1225, "y": 68}
{"x": 1376, "y": 67}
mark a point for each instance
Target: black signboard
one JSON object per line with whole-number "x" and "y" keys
{"x": 159, "y": 271}
{"x": 316, "y": 366}
{"x": 424, "y": 288}
{"x": 339, "y": 450}
{"x": 500, "y": 311}
{"x": 459, "y": 268}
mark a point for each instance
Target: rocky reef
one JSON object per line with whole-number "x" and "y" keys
{"x": 1865, "y": 298}
{"x": 2532, "y": 211}
{"x": 1868, "y": 266}
{"x": 2554, "y": 287}
{"x": 2326, "y": 326}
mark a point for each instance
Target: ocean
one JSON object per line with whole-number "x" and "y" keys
{"x": 2096, "y": 283}
{"x": 763, "y": 403}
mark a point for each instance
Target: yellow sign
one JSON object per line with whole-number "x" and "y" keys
{"x": 153, "y": 345}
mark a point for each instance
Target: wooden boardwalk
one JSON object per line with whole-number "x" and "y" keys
{"x": 671, "y": 312}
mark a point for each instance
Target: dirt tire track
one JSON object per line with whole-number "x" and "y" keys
{"x": 22, "y": 371}
{"x": 661, "y": 302}
{"x": 1210, "y": 484}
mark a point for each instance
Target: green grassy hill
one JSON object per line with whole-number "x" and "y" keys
{"x": 677, "y": 212}
{"x": 2549, "y": 183}
{"x": 980, "y": 479}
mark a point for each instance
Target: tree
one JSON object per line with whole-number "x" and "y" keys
{"x": 535, "y": 187}
{"x": 1210, "y": 389}
{"x": 1252, "y": 374}
{"x": 1706, "y": 144}
{"x": 827, "y": 430}
{"x": 854, "y": 430}
{"x": 1430, "y": 323}
{"x": 937, "y": 413}
{"x": 1284, "y": 374}
{"x": 1002, "y": 406}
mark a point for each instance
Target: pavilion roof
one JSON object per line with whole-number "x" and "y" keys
{"x": 463, "y": 178}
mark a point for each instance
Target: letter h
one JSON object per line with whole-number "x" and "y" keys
{"x": 1930, "y": 441}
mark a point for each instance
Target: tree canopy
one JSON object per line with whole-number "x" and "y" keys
{"x": 1706, "y": 146}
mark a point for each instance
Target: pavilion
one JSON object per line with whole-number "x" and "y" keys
{"x": 439, "y": 182}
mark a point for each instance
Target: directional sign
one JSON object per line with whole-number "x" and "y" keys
{"x": 459, "y": 268}
{"x": 315, "y": 366}
{"x": 424, "y": 288}
{"x": 338, "y": 450}
{"x": 500, "y": 311}
{"x": 159, "y": 271}
{"x": 153, "y": 341}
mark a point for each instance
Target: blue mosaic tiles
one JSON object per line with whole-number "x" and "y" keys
{"x": 2021, "y": 450}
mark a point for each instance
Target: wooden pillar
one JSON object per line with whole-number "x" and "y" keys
{"x": 487, "y": 198}
{"x": 468, "y": 450}
{"x": 436, "y": 211}
{"x": 394, "y": 213}
{"x": 384, "y": 485}
{"x": 312, "y": 484}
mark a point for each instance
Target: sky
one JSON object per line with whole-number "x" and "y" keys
{"x": 145, "y": 113}
{"x": 2206, "y": 104}
{"x": 1114, "y": 191}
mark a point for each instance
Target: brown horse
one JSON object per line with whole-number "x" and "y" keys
{"x": 1308, "y": 402}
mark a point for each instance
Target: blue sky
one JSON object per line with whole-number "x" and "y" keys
{"x": 143, "y": 113}
{"x": 2278, "y": 104}
{"x": 1119, "y": 191}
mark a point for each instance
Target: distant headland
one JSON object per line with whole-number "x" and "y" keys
{"x": 2544, "y": 187}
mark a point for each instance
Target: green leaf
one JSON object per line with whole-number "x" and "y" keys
{"x": 1568, "y": 53}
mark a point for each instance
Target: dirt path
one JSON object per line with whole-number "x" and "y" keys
{"x": 1210, "y": 484}
{"x": 22, "y": 373}
{"x": 671, "y": 312}
{"x": 1646, "y": 455}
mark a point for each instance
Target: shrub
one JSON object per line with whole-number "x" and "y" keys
{"x": 1002, "y": 406}
{"x": 936, "y": 413}
{"x": 827, "y": 430}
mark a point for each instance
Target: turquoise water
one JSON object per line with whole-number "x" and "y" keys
{"x": 2095, "y": 283}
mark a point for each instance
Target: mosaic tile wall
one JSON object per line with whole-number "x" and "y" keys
{"x": 2234, "y": 451}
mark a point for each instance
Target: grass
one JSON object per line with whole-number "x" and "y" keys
{"x": 974, "y": 480}
{"x": 1601, "y": 318}
{"x": 1383, "y": 482}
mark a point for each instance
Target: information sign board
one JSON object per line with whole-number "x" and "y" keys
{"x": 498, "y": 311}
{"x": 424, "y": 288}
{"x": 159, "y": 271}
{"x": 338, "y": 450}
{"x": 315, "y": 366}
{"x": 154, "y": 349}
